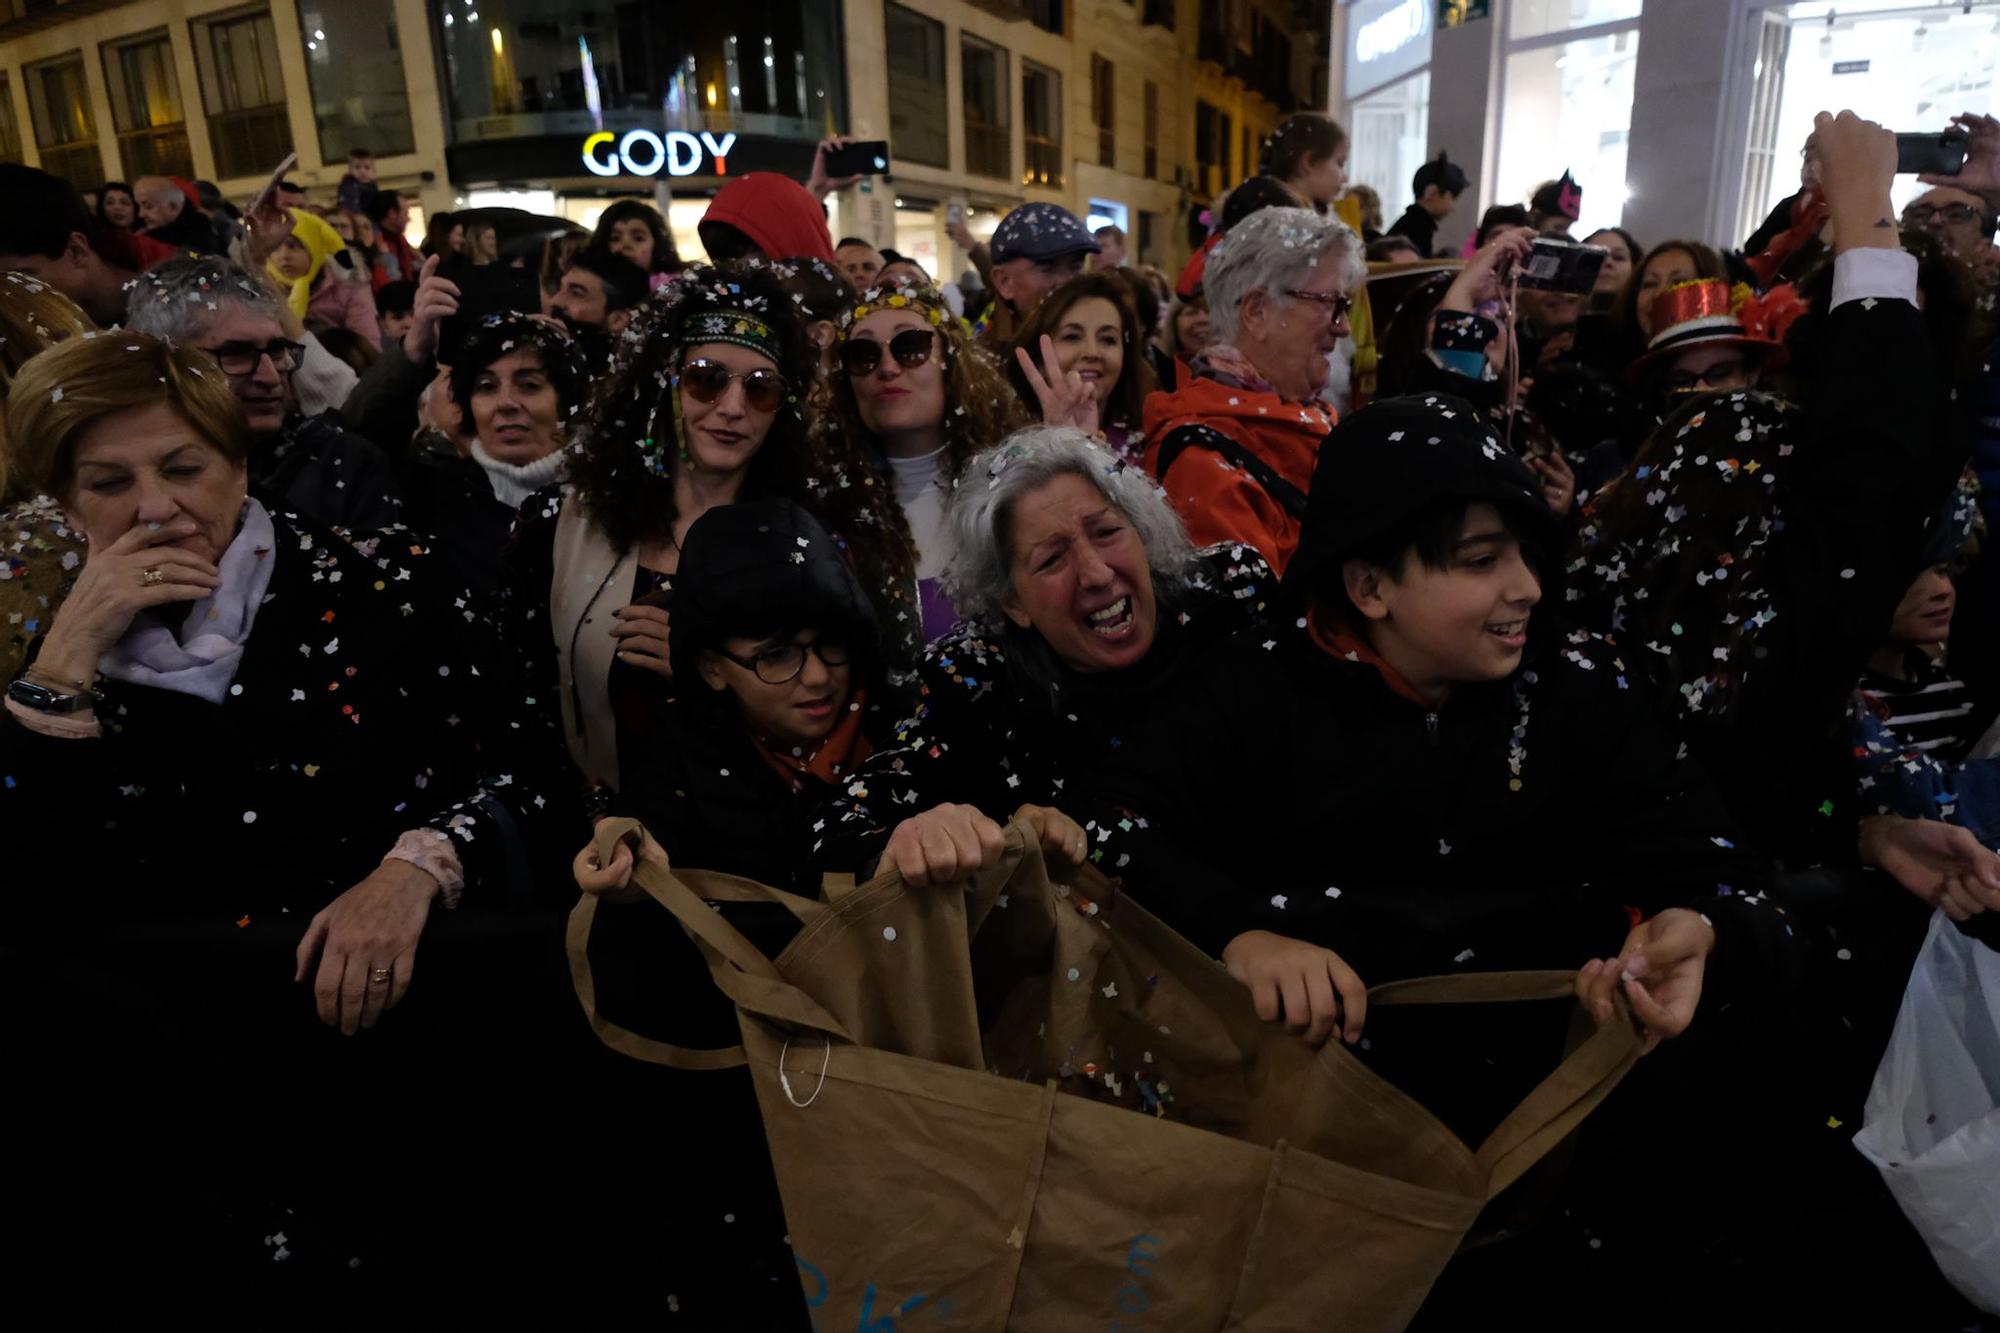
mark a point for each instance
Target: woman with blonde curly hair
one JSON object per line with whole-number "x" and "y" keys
{"x": 915, "y": 392}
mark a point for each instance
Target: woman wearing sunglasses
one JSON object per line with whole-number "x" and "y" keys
{"x": 702, "y": 409}
{"x": 922, "y": 399}
{"x": 775, "y": 640}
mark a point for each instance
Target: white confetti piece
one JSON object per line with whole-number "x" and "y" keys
{"x": 888, "y": 932}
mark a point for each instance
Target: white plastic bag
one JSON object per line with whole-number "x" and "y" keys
{"x": 1932, "y": 1123}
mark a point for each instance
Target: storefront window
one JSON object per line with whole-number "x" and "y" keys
{"x": 535, "y": 67}
{"x": 64, "y": 130}
{"x": 354, "y": 60}
{"x": 919, "y": 125}
{"x": 244, "y": 94}
{"x": 1909, "y": 71}
{"x": 146, "y": 107}
{"x": 1389, "y": 129}
{"x": 1568, "y": 107}
{"x": 1535, "y": 18}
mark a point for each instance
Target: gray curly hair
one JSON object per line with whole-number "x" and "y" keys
{"x": 979, "y": 518}
{"x": 1273, "y": 251}
{"x": 180, "y": 298}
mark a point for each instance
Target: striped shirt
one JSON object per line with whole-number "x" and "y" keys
{"x": 1931, "y": 713}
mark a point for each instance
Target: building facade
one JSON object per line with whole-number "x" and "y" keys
{"x": 1679, "y": 118}
{"x": 1131, "y": 111}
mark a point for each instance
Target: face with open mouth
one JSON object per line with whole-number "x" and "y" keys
{"x": 1080, "y": 577}
{"x": 1460, "y": 623}
{"x": 1090, "y": 340}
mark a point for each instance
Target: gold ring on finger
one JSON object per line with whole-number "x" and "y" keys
{"x": 152, "y": 576}
{"x": 379, "y": 977}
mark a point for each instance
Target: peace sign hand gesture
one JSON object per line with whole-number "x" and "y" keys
{"x": 1064, "y": 398}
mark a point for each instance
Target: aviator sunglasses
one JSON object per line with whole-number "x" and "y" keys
{"x": 706, "y": 381}
{"x": 911, "y": 348}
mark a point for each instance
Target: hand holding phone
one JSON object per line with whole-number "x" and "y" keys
{"x": 1930, "y": 153}
{"x": 866, "y": 157}
{"x": 1555, "y": 265}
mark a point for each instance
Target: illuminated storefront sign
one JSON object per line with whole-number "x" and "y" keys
{"x": 644, "y": 153}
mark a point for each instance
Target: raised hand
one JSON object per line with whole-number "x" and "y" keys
{"x": 1064, "y": 398}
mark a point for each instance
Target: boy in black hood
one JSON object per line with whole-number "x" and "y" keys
{"x": 1437, "y": 788}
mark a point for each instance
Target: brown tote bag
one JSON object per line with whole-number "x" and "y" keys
{"x": 1012, "y": 1104}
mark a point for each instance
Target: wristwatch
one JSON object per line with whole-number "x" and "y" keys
{"x": 45, "y": 700}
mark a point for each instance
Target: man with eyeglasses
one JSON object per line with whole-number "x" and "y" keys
{"x": 310, "y": 464}
{"x": 1960, "y": 221}
{"x": 1236, "y": 442}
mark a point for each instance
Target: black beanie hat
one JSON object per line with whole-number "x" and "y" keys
{"x": 760, "y": 568}
{"x": 1395, "y": 458}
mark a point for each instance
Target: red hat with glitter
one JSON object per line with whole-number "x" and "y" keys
{"x": 1703, "y": 313}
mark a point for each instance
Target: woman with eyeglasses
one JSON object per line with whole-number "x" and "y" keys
{"x": 921, "y": 398}
{"x": 704, "y": 408}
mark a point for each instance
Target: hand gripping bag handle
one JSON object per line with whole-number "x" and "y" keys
{"x": 1560, "y": 1102}
{"x": 739, "y": 969}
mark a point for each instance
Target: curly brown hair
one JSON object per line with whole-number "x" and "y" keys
{"x": 980, "y": 410}
{"x": 1135, "y": 377}
{"x": 632, "y": 416}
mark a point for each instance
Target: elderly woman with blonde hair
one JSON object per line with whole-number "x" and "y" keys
{"x": 1082, "y": 601}
{"x": 39, "y": 551}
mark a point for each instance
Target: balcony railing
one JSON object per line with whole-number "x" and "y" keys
{"x": 78, "y": 163}
{"x": 1045, "y": 164}
{"x": 251, "y": 141}
{"x": 986, "y": 149}
{"x": 157, "y": 150}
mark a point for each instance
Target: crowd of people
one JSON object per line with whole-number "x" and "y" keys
{"x": 1367, "y": 614}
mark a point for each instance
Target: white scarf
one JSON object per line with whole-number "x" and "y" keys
{"x": 200, "y": 654}
{"x": 513, "y": 484}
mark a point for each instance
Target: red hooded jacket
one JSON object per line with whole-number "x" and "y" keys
{"x": 1216, "y": 500}
{"x": 777, "y": 213}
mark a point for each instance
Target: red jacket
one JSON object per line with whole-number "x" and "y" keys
{"x": 1217, "y": 501}
{"x": 777, "y": 213}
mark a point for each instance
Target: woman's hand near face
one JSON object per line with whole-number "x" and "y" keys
{"x": 1063, "y": 397}
{"x": 941, "y": 844}
{"x": 436, "y": 300}
{"x": 1558, "y": 480}
{"x": 366, "y": 943}
{"x": 641, "y": 632}
{"x": 114, "y": 587}
{"x": 1479, "y": 280}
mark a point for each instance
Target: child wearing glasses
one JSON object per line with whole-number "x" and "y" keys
{"x": 774, "y": 647}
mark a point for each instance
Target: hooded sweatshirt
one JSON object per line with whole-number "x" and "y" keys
{"x": 1218, "y": 501}
{"x": 777, "y": 213}
{"x": 1299, "y": 785}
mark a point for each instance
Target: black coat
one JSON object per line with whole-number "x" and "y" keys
{"x": 1419, "y": 227}
{"x": 1288, "y": 790}
{"x": 998, "y": 728}
{"x": 448, "y": 497}
{"x": 318, "y": 468}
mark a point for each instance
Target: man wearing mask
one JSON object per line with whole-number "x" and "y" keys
{"x": 310, "y": 464}
{"x": 1035, "y": 249}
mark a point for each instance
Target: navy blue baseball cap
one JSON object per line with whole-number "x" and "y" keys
{"x": 1040, "y": 231}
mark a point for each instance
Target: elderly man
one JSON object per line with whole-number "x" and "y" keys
{"x": 1035, "y": 249}
{"x": 1235, "y": 444}
{"x": 309, "y": 464}
{"x": 173, "y": 215}
{"x": 1961, "y": 222}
